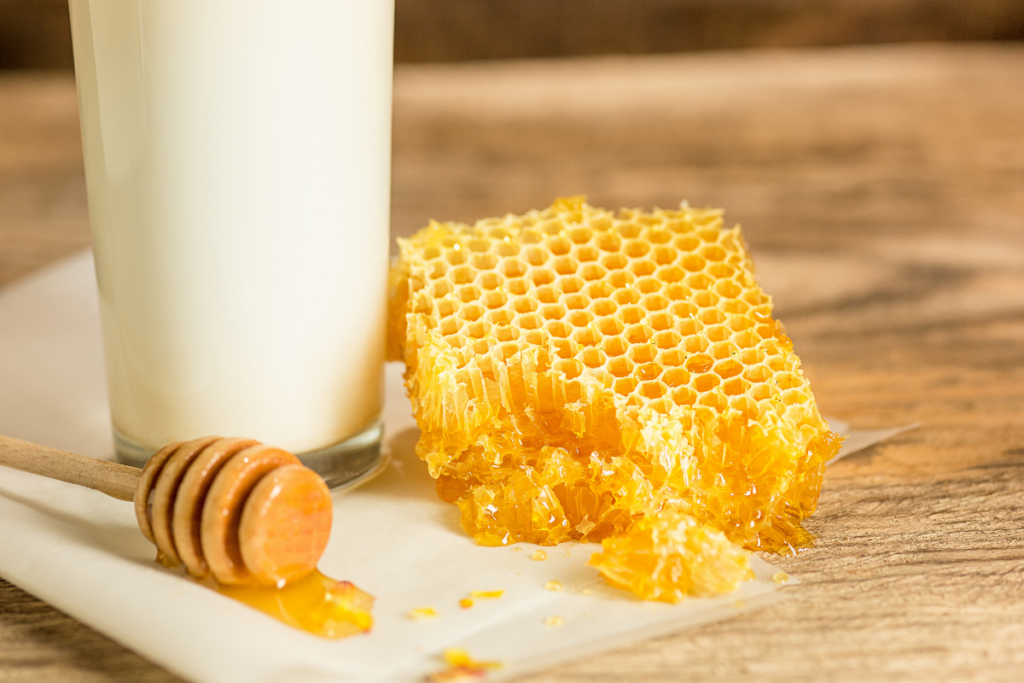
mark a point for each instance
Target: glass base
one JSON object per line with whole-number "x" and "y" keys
{"x": 342, "y": 465}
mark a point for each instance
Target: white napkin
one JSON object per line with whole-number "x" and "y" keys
{"x": 82, "y": 552}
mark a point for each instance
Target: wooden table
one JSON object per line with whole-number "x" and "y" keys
{"x": 882, "y": 192}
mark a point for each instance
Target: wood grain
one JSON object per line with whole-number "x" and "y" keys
{"x": 880, "y": 190}
{"x": 112, "y": 478}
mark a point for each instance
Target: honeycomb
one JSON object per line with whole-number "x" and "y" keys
{"x": 573, "y": 370}
{"x": 671, "y": 555}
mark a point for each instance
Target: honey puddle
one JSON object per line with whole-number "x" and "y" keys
{"x": 315, "y": 603}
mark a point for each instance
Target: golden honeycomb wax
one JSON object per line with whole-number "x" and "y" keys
{"x": 670, "y": 556}
{"x": 573, "y": 370}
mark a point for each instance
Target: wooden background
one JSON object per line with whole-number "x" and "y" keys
{"x": 882, "y": 192}
{"x": 35, "y": 34}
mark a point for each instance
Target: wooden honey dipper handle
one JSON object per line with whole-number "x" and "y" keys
{"x": 233, "y": 508}
{"x": 115, "y": 480}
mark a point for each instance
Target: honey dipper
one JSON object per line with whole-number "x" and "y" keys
{"x": 233, "y": 509}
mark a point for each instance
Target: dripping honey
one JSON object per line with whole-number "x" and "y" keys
{"x": 314, "y": 603}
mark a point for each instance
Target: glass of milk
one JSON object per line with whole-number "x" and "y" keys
{"x": 237, "y": 159}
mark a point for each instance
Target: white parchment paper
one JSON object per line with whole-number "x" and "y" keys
{"x": 82, "y": 552}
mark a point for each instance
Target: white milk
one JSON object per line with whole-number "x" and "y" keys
{"x": 237, "y": 159}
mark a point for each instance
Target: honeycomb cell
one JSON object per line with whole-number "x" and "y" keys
{"x": 664, "y": 256}
{"x": 529, "y": 321}
{"x": 559, "y": 329}
{"x": 566, "y": 265}
{"x": 506, "y": 249}
{"x": 662, "y": 321}
{"x": 581, "y": 235}
{"x": 598, "y": 290}
{"x": 525, "y": 305}
{"x": 536, "y": 256}
{"x": 652, "y": 390}
{"x": 593, "y": 358}
{"x": 655, "y": 302}
{"x": 446, "y": 307}
{"x": 620, "y": 280}
{"x": 495, "y": 299}
{"x": 668, "y": 339}
{"x": 554, "y": 358}
{"x": 620, "y": 367}
{"x": 614, "y": 346}
{"x": 626, "y": 297}
{"x": 672, "y": 275}
{"x": 570, "y": 284}
{"x": 672, "y": 358}
{"x": 592, "y": 271}
{"x": 609, "y": 241}
{"x": 436, "y": 270}
{"x": 728, "y": 368}
{"x": 439, "y": 289}
{"x": 676, "y": 377}
{"x": 647, "y": 372}
{"x": 686, "y": 243}
{"x": 471, "y": 312}
{"x": 580, "y": 318}
{"x": 468, "y": 293}
{"x": 642, "y": 267}
{"x": 693, "y": 263}
{"x": 541, "y": 276}
{"x": 547, "y": 294}
{"x": 610, "y": 326}
{"x": 634, "y": 249}
{"x": 512, "y": 267}
{"x": 713, "y": 253}
{"x": 518, "y": 286}
{"x": 648, "y": 285}
{"x": 586, "y": 253}
{"x": 588, "y": 336}
{"x": 638, "y": 334}
{"x": 642, "y": 353}
{"x": 604, "y": 307}
{"x": 477, "y": 330}
{"x": 698, "y": 345}
{"x": 506, "y": 334}
{"x": 490, "y": 280}
{"x": 450, "y": 326}
{"x": 631, "y": 314}
{"x": 484, "y": 261}
{"x": 462, "y": 275}
{"x": 628, "y": 230}
{"x": 699, "y": 363}
{"x": 702, "y": 384}
{"x": 625, "y": 386}
{"x": 553, "y": 311}
{"x": 559, "y": 246}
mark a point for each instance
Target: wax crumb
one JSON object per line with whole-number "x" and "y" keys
{"x": 554, "y": 621}
{"x": 465, "y": 603}
{"x": 553, "y": 586}
{"x": 422, "y": 613}
{"x": 461, "y": 667}
{"x": 486, "y": 594}
{"x": 780, "y": 577}
{"x": 586, "y": 591}
{"x": 516, "y": 549}
{"x": 539, "y": 555}
{"x": 739, "y": 604}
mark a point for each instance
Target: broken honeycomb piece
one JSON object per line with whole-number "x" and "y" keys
{"x": 573, "y": 369}
{"x": 670, "y": 556}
